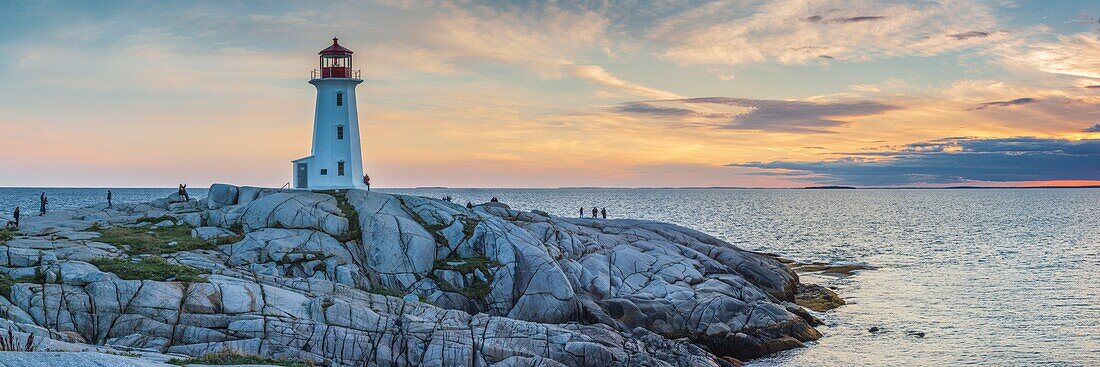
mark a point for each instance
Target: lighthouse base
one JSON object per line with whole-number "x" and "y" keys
{"x": 307, "y": 176}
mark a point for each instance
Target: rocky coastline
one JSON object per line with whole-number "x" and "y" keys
{"x": 349, "y": 278}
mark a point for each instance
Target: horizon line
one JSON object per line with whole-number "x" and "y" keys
{"x": 822, "y": 187}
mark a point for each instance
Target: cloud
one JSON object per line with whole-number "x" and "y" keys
{"x": 597, "y": 75}
{"x": 1074, "y": 55}
{"x": 755, "y": 114}
{"x": 1014, "y": 102}
{"x": 968, "y": 35}
{"x": 844, "y": 20}
{"x": 797, "y": 32}
{"x": 952, "y": 160}
{"x": 1092, "y": 129}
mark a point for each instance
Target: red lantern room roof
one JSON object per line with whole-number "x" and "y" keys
{"x": 335, "y": 49}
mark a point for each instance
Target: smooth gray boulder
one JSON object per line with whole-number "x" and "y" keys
{"x": 221, "y": 195}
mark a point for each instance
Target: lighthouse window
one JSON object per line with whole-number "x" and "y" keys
{"x": 324, "y": 172}
{"x": 340, "y": 132}
{"x": 339, "y": 99}
{"x": 340, "y": 168}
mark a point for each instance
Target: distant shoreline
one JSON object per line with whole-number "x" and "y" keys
{"x": 827, "y": 187}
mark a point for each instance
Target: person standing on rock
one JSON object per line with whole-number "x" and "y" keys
{"x": 469, "y": 205}
{"x": 16, "y": 215}
{"x": 582, "y": 212}
{"x": 108, "y": 199}
{"x": 183, "y": 193}
{"x": 42, "y": 200}
{"x": 595, "y": 212}
{"x": 366, "y": 181}
{"x": 603, "y": 213}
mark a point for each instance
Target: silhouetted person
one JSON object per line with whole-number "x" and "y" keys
{"x": 469, "y": 205}
{"x": 42, "y": 200}
{"x": 183, "y": 193}
{"x": 494, "y": 200}
{"x": 595, "y": 212}
{"x": 366, "y": 181}
{"x": 16, "y": 215}
{"x": 108, "y": 198}
{"x": 603, "y": 213}
{"x": 582, "y": 212}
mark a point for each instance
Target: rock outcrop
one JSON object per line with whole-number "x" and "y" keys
{"x": 351, "y": 278}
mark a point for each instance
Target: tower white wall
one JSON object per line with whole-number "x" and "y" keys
{"x": 328, "y": 148}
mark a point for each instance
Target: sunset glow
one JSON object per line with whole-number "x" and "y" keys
{"x": 745, "y": 93}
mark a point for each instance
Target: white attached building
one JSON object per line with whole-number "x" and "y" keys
{"x": 336, "y": 161}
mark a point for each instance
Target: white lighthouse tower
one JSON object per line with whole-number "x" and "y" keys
{"x": 336, "y": 161}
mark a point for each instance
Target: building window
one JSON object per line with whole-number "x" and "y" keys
{"x": 340, "y": 133}
{"x": 340, "y": 168}
{"x": 339, "y": 99}
{"x": 324, "y": 172}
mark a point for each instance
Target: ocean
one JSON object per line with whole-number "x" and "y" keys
{"x": 990, "y": 277}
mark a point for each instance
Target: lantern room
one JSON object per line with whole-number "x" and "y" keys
{"x": 336, "y": 62}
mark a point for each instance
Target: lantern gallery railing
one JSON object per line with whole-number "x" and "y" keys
{"x": 334, "y": 72}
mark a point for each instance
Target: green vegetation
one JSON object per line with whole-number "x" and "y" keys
{"x": 477, "y": 289}
{"x": 156, "y": 241}
{"x": 5, "y": 285}
{"x": 5, "y": 234}
{"x": 6, "y": 281}
{"x": 150, "y": 268}
{"x": 237, "y": 358}
{"x": 468, "y": 227}
{"x": 354, "y": 232}
{"x": 155, "y": 220}
{"x": 433, "y": 229}
{"x": 386, "y": 292}
{"x": 466, "y": 266}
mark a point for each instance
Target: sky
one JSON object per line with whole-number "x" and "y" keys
{"x": 558, "y": 94}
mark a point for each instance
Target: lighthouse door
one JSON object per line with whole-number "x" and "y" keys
{"x": 303, "y": 176}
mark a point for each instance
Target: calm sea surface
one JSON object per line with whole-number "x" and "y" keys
{"x": 991, "y": 277}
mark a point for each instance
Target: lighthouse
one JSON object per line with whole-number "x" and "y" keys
{"x": 336, "y": 161}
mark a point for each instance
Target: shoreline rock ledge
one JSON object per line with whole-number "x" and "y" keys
{"x": 350, "y": 278}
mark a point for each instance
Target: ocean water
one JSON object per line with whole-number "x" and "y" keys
{"x": 27, "y": 198}
{"x": 1006, "y": 277}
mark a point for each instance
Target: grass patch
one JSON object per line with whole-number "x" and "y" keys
{"x": 354, "y": 232}
{"x": 433, "y": 229}
{"x": 150, "y": 268}
{"x": 386, "y": 292}
{"x": 155, "y": 241}
{"x": 155, "y": 220}
{"x": 5, "y": 285}
{"x": 477, "y": 289}
{"x": 6, "y": 281}
{"x": 467, "y": 265}
{"x": 236, "y": 358}
{"x": 468, "y": 227}
{"x": 5, "y": 234}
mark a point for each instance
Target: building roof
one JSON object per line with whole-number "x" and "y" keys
{"x": 335, "y": 48}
